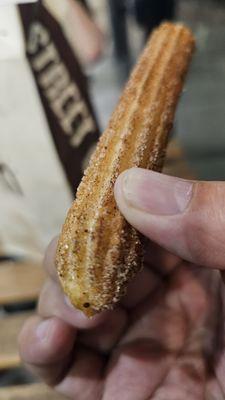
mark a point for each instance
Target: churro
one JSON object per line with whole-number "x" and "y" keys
{"x": 98, "y": 251}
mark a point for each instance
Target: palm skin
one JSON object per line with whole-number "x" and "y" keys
{"x": 164, "y": 341}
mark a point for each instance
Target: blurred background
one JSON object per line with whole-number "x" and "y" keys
{"x": 91, "y": 45}
{"x": 201, "y": 115}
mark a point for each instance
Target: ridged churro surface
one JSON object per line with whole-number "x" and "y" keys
{"x": 98, "y": 251}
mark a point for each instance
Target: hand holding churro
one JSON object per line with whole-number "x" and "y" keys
{"x": 98, "y": 251}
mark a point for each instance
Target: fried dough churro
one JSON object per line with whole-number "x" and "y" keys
{"x": 98, "y": 251}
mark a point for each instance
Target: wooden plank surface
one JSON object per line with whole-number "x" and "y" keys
{"x": 10, "y": 327}
{"x": 174, "y": 151}
{"x": 175, "y": 162}
{"x": 29, "y": 392}
{"x": 20, "y": 282}
{"x": 180, "y": 169}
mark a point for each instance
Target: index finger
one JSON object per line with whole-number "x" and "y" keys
{"x": 49, "y": 260}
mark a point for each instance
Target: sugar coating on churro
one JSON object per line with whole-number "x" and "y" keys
{"x": 98, "y": 251}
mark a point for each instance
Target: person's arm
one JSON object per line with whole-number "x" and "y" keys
{"x": 85, "y": 35}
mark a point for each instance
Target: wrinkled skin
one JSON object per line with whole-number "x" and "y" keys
{"x": 165, "y": 341}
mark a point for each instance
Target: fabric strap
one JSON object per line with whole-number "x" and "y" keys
{"x": 63, "y": 90}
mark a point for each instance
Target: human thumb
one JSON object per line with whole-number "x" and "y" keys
{"x": 185, "y": 217}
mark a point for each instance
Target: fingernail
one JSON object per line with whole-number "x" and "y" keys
{"x": 156, "y": 193}
{"x": 75, "y": 310}
{"x": 68, "y": 303}
{"x": 44, "y": 330}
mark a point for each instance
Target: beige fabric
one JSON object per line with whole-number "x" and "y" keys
{"x": 11, "y": 36}
{"x": 29, "y": 222}
{"x": 20, "y": 233}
